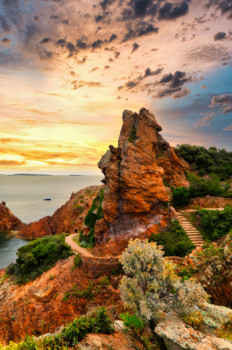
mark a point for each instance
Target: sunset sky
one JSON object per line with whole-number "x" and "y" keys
{"x": 68, "y": 68}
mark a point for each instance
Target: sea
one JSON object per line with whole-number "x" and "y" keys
{"x": 25, "y": 196}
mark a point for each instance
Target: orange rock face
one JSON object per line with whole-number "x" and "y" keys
{"x": 136, "y": 198}
{"x": 49, "y": 302}
{"x": 67, "y": 218}
{"x": 8, "y": 221}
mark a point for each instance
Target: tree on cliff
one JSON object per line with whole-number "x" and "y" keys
{"x": 150, "y": 286}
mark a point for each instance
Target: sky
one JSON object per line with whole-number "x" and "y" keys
{"x": 68, "y": 69}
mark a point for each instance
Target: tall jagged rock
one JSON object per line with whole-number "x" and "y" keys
{"x": 136, "y": 198}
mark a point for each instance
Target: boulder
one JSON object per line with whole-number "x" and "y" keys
{"x": 179, "y": 336}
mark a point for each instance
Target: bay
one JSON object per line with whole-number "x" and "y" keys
{"x": 24, "y": 196}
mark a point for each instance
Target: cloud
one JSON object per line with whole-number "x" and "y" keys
{"x": 172, "y": 85}
{"x": 80, "y": 84}
{"x": 229, "y": 128}
{"x": 208, "y": 53}
{"x": 5, "y": 41}
{"x": 139, "y": 8}
{"x": 112, "y": 38}
{"x": 106, "y": 3}
{"x": 222, "y": 101}
{"x": 205, "y": 121}
{"x": 224, "y": 5}
{"x": 135, "y": 47}
{"x": 133, "y": 83}
{"x": 45, "y": 40}
{"x": 4, "y": 162}
{"x": 141, "y": 29}
{"x": 170, "y": 11}
{"x": 219, "y": 36}
{"x": 70, "y": 47}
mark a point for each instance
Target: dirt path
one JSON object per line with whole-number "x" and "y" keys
{"x": 76, "y": 248}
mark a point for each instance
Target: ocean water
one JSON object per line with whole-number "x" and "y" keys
{"x": 24, "y": 196}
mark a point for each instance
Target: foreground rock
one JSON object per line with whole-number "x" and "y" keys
{"x": 67, "y": 218}
{"x": 8, "y": 221}
{"x": 179, "y": 336}
{"x": 136, "y": 199}
{"x": 117, "y": 341}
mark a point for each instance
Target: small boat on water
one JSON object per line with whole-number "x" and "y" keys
{"x": 47, "y": 199}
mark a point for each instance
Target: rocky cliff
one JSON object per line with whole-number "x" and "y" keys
{"x": 137, "y": 174}
{"x": 56, "y": 297}
{"x": 8, "y": 221}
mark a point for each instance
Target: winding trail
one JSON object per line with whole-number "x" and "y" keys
{"x": 76, "y": 248}
{"x": 84, "y": 252}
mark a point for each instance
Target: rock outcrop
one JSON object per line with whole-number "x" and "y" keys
{"x": 136, "y": 175}
{"x": 8, "y": 221}
{"x": 179, "y": 336}
{"x": 67, "y": 218}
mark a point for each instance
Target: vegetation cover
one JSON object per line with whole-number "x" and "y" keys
{"x": 207, "y": 161}
{"x": 151, "y": 288}
{"x": 98, "y": 321}
{"x": 199, "y": 187}
{"x": 39, "y": 256}
{"x": 95, "y": 213}
{"x": 214, "y": 224}
{"x": 175, "y": 241}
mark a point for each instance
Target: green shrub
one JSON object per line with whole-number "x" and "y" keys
{"x": 77, "y": 260}
{"x": 132, "y": 136}
{"x": 199, "y": 187}
{"x": 95, "y": 213}
{"x": 202, "y": 187}
{"x": 105, "y": 282}
{"x": 97, "y": 322}
{"x": 207, "y": 161}
{"x": 29, "y": 343}
{"x": 187, "y": 272}
{"x": 180, "y": 196}
{"x": 175, "y": 242}
{"x": 133, "y": 323}
{"x": 215, "y": 224}
{"x": 39, "y": 256}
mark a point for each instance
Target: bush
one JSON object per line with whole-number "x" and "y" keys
{"x": 175, "y": 242}
{"x": 29, "y": 343}
{"x": 214, "y": 224}
{"x": 207, "y": 161}
{"x": 97, "y": 322}
{"x": 180, "y": 196}
{"x": 77, "y": 260}
{"x": 199, "y": 187}
{"x": 151, "y": 288}
{"x": 39, "y": 256}
{"x": 133, "y": 323}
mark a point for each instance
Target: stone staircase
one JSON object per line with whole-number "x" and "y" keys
{"x": 191, "y": 231}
